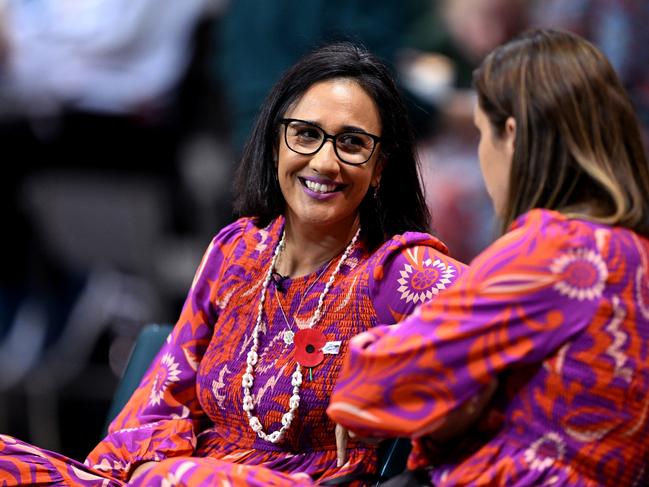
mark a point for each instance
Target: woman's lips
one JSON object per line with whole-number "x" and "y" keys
{"x": 319, "y": 188}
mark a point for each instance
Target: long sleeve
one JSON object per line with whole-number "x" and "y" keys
{"x": 515, "y": 305}
{"x": 164, "y": 415}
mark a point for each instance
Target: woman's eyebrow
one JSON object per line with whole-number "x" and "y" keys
{"x": 353, "y": 128}
{"x": 344, "y": 128}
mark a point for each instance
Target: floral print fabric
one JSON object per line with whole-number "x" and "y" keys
{"x": 558, "y": 311}
{"x": 187, "y": 413}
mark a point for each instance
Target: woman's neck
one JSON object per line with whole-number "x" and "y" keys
{"x": 307, "y": 248}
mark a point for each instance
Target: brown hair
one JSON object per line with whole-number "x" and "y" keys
{"x": 578, "y": 147}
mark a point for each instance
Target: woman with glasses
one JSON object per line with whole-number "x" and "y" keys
{"x": 330, "y": 243}
{"x": 552, "y": 320}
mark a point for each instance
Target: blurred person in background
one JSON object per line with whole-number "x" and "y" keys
{"x": 90, "y": 135}
{"x": 451, "y": 40}
{"x": 330, "y": 243}
{"x": 619, "y": 29}
{"x": 98, "y": 56}
{"x": 90, "y": 86}
{"x": 448, "y": 43}
{"x": 552, "y": 320}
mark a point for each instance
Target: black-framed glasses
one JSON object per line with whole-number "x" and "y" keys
{"x": 306, "y": 138}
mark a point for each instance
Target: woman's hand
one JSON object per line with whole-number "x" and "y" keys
{"x": 342, "y": 437}
{"x": 455, "y": 423}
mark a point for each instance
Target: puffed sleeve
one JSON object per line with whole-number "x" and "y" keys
{"x": 514, "y": 305}
{"x": 163, "y": 415}
{"x": 410, "y": 269}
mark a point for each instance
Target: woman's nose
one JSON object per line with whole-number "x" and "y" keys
{"x": 325, "y": 161}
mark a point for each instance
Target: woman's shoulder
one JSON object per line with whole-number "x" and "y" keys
{"x": 550, "y": 228}
{"x": 233, "y": 242}
{"x": 232, "y": 231}
{"x": 407, "y": 270}
{"x": 248, "y": 229}
{"x": 542, "y": 218}
{"x": 241, "y": 231}
{"x": 552, "y": 222}
{"x": 410, "y": 239}
{"x": 413, "y": 243}
{"x": 411, "y": 252}
{"x": 542, "y": 238}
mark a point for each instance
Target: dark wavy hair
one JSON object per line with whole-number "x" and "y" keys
{"x": 578, "y": 148}
{"x": 399, "y": 206}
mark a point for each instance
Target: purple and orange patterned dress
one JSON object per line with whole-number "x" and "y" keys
{"x": 187, "y": 413}
{"x": 558, "y": 311}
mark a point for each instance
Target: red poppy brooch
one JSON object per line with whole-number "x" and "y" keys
{"x": 308, "y": 347}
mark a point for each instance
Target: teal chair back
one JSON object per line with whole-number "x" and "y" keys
{"x": 147, "y": 345}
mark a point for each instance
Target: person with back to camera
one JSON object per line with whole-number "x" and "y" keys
{"x": 542, "y": 343}
{"x": 329, "y": 243}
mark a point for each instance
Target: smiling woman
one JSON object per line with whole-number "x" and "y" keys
{"x": 330, "y": 242}
{"x": 320, "y": 191}
{"x": 351, "y": 71}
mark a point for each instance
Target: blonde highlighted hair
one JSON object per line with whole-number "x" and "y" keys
{"x": 578, "y": 147}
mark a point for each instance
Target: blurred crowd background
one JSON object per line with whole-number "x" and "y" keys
{"x": 121, "y": 122}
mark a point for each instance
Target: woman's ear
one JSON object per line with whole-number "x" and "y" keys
{"x": 378, "y": 170}
{"x": 510, "y": 135}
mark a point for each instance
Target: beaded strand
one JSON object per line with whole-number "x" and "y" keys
{"x": 252, "y": 358}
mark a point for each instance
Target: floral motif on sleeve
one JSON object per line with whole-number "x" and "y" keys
{"x": 412, "y": 268}
{"x": 421, "y": 282}
{"x": 167, "y": 373}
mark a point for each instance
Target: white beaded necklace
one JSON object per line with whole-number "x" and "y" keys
{"x": 289, "y": 334}
{"x": 296, "y": 379}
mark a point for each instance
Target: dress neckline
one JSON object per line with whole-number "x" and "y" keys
{"x": 276, "y": 232}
